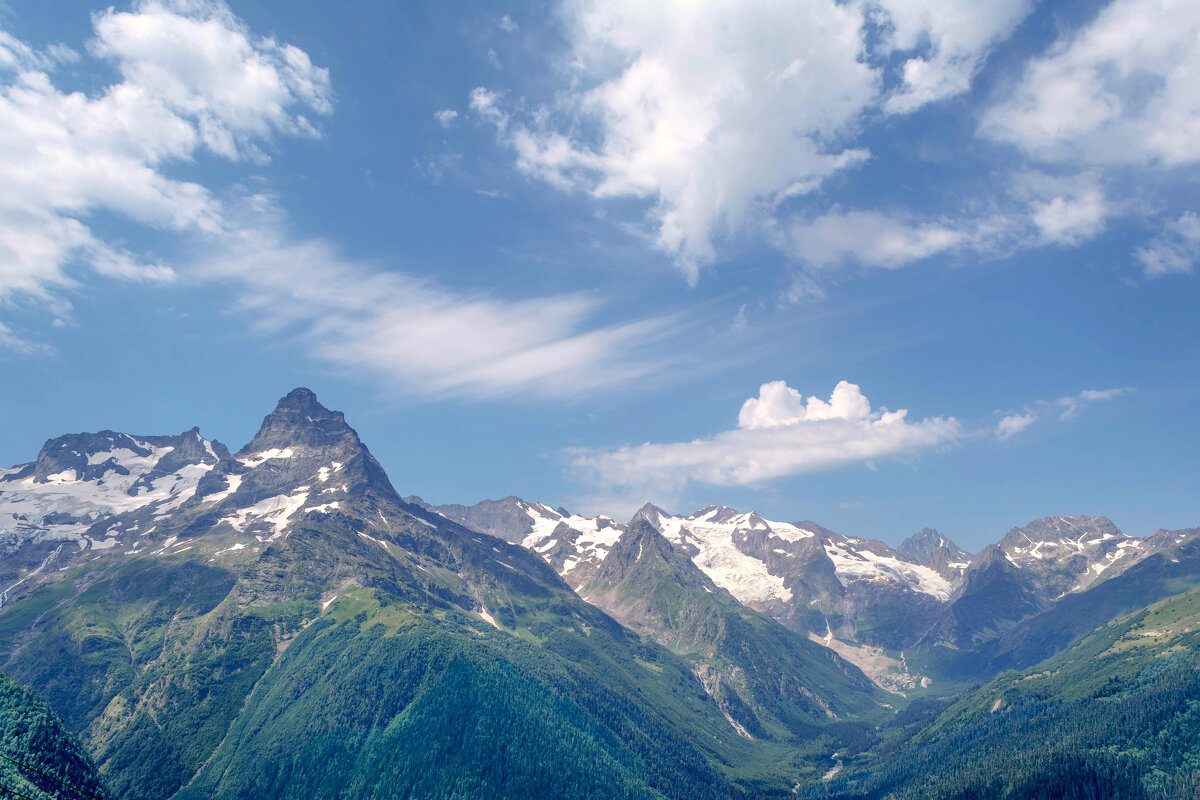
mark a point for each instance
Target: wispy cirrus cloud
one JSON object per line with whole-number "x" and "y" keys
{"x": 417, "y": 337}
{"x": 1176, "y": 249}
{"x": 196, "y": 82}
{"x": 1062, "y": 409}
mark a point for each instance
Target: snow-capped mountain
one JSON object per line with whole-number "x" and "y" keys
{"x": 933, "y": 550}
{"x": 1068, "y": 554}
{"x": 116, "y": 495}
{"x": 90, "y": 491}
{"x": 812, "y": 579}
{"x": 81, "y": 480}
{"x": 856, "y": 595}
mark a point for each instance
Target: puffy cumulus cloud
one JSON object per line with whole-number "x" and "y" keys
{"x": 1175, "y": 250}
{"x": 948, "y": 42}
{"x": 1125, "y": 89}
{"x": 717, "y": 112}
{"x": 778, "y": 435}
{"x": 192, "y": 77}
{"x": 1071, "y": 219}
{"x": 779, "y": 404}
{"x": 203, "y": 64}
{"x": 871, "y": 238}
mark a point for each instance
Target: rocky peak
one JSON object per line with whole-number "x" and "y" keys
{"x": 715, "y": 514}
{"x": 1081, "y": 530}
{"x": 643, "y": 551}
{"x": 300, "y": 420}
{"x": 921, "y": 545}
{"x": 651, "y": 514}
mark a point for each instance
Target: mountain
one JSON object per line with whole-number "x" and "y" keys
{"x": 284, "y": 624}
{"x": 929, "y": 548}
{"x": 994, "y": 597}
{"x": 87, "y": 492}
{"x": 1067, "y": 554}
{"x": 853, "y": 594}
{"x": 768, "y": 680}
{"x": 39, "y": 758}
{"x": 1114, "y": 715}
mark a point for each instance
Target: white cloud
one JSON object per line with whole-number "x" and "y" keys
{"x": 507, "y": 24}
{"x": 485, "y": 103}
{"x": 1071, "y": 219}
{"x": 715, "y": 113}
{"x": 779, "y": 434}
{"x": 201, "y": 62}
{"x": 778, "y": 404}
{"x": 1175, "y": 250}
{"x": 1064, "y": 409}
{"x": 446, "y": 116}
{"x": 1070, "y": 407}
{"x": 871, "y": 238}
{"x": 415, "y": 336}
{"x": 1014, "y": 424}
{"x": 14, "y": 342}
{"x": 1125, "y": 89}
{"x": 956, "y": 37}
{"x": 705, "y": 109}
{"x": 192, "y": 77}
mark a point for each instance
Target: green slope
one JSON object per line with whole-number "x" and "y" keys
{"x": 39, "y": 757}
{"x": 1040, "y": 635}
{"x": 769, "y": 680}
{"x": 1117, "y": 715}
{"x": 391, "y": 700}
{"x": 159, "y": 661}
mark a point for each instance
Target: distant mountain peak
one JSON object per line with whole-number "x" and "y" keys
{"x": 649, "y": 513}
{"x": 921, "y": 546}
{"x": 300, "y": 419}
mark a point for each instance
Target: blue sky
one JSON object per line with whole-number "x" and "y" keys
{"x": 593, "y": 255}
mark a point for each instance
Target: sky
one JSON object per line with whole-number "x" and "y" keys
{"x": 880, "y": 264}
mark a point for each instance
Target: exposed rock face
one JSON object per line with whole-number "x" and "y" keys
{"x": 1066, "y": 554}
{"x": 931, "y": 549}
{"x": 810, "y": 578}
{"x": 116, "y": 494}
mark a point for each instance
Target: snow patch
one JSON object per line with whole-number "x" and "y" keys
{"x": 274, "y": 511}
{"x": 254, "y": 459}
{"x": 853, "y": 564}
{"x": 232, "y": 484}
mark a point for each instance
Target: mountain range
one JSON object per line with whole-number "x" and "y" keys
{"x": 281, "y": 622}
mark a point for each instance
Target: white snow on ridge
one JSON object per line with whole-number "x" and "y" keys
{"x": 714, "y": 534}
{"x": 852, "y": 564}
{"x": 254, "y": 459}
{"x": 275, "y": 511}
{"x": 745, "y": 577}
{"x": 595, "y": 536}
{"x": 324, "y": 472}
{"x": 24, "y": 503}
{"x": 232, "y": 484}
